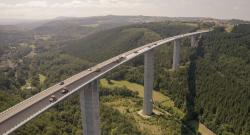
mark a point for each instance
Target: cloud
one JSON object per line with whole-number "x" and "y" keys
{"x": 30, "y": 4}
{"x": 75, "y": 4}
{"x": 53, "y": 8}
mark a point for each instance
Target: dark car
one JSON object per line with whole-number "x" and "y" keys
{"x": 61, "y": 83}
{"x": 64, "y": 90}
{"x": 120, "y": 59}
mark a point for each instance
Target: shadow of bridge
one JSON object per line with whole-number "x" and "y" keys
{"x": 190, "y": 122}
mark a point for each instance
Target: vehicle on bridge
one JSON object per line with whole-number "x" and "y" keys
{"x": 98, "y": 69}
{"x": 52, "y": 98}
{"x": 61, "y": 83}
{"x": 135, "y": 51}
{"x": 65, "y": 90}
{"x": 120, "y": 59}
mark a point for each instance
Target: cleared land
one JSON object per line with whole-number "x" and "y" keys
{"x": 157, "y": 96}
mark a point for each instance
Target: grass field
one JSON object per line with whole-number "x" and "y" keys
{"x": 157, "y": 96}
{"x": 27, "y": 85}
{"x": 42, "y": 78}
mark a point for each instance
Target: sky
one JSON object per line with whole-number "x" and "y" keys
{"x": 45, "y": 9}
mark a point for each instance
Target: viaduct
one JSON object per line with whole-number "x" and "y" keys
{"x": 87, "y": 83}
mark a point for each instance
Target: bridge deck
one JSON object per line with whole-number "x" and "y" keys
{"x": 24, "y": 111}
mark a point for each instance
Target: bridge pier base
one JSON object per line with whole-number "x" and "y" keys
{"x": 148, "y": 82}
{"x": 176, "y": 55}
{"x": 89, "y": 102}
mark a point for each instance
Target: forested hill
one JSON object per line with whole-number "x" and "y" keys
{"x": 223, "y": 81}
{"x": 112, "y": 42}
{"x": 215, "y": 86}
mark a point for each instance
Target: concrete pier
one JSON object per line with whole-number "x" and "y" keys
{"x": 148, "y": 82}
{"x": 89, "y": 102}
{"x": 176, "y": 55}
{"x": 194, "y": 41}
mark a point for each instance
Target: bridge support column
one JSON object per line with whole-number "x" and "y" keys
{"x": 194, "y": 41}
{"x": 176, "y": 55}
{"x": 148, "y": 82}
{"x": 89, "y": 102}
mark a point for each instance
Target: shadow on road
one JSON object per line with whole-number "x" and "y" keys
{"x": 190, "y": 123}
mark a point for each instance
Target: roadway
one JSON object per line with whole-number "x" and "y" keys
{"x": 26, "y": 110}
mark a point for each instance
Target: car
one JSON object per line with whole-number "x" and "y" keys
{"x": 89, "y": 69}
{"x": 155, "y": 44}
{"x": 52, "y": 98}
{"x": 64, "y": 90}
{"x": 98, "y": 69}
{"x": 123, "y": 57}
{"x": 135, "y": 51}
{"x": 61, "y": 83}
{"x": 120, "y": 59}
{"x": 117, "y": 60}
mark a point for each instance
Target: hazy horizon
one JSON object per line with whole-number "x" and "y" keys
{"x": 45, "y": 9}
{"x": 51, "y": 18}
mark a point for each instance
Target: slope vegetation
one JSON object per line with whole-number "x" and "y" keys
{"x": 109, "y": 43}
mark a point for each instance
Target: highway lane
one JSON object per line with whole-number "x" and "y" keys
{"x": 24, "y": 111}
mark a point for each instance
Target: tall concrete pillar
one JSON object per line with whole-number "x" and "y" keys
{"x": 96, "y": 106}
{"x": 89, "y": 102}
{"x": 194, "y": 41}
{"x": 176, "y": 54}
{"x": 148, "y": 82}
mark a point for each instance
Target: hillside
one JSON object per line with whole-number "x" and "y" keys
{"x": 161, "y": 102}
{"x": 115, "y": 41}
{"x": 69, "y": 28}
{"x": 216, "y": 88}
